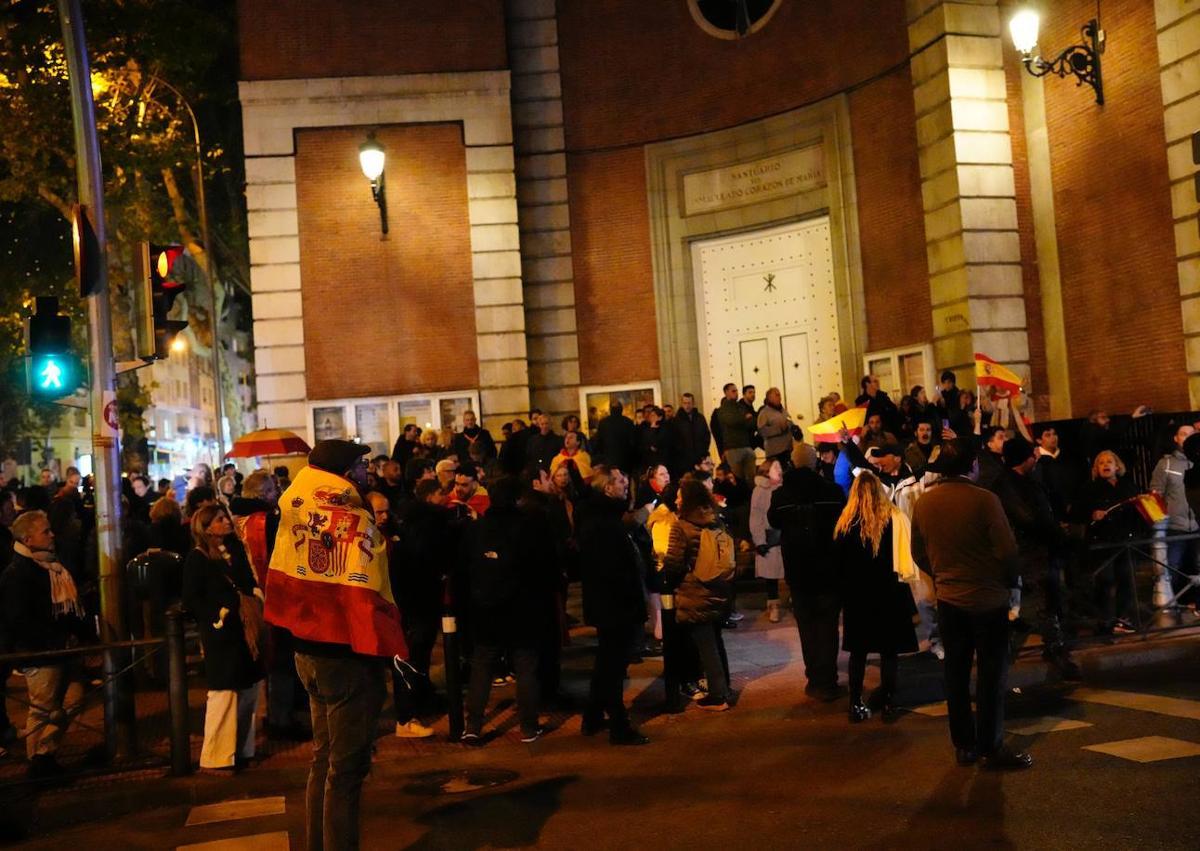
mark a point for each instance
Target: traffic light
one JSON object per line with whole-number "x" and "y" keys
{"x": 52, "y": 370}
{"x": 158, "y": 286}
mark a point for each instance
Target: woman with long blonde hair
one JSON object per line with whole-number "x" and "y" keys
{"x": 878, "y": 611}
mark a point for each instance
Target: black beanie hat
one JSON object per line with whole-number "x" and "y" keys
{"x": 336, "y": 456}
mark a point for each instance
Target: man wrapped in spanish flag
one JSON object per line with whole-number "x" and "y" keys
{"x": 328, "y": 586}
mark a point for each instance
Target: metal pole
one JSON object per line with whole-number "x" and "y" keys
{"x": 181, "y": 743}
{"x": 105, "y": 448}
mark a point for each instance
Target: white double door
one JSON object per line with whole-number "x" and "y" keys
{"x": 767, "y": 314}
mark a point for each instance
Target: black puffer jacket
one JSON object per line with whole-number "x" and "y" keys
{"x": 695, "y": 601}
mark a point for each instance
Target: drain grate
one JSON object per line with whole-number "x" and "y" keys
{"x": 458, "y": 782}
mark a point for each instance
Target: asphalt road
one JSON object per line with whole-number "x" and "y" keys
{"x": 779, "y": 771}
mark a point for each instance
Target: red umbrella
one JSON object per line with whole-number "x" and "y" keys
{"x": 268, "y": 441}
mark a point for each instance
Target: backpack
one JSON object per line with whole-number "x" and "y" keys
{"x": 715, "y": 558}
{"x": 493, "y": 568}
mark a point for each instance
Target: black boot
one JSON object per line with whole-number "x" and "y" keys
{"x": 858, "y": 710}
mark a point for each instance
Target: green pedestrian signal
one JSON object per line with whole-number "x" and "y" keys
{"x": 52, "y": 371}
{"x": 50, "y": 376}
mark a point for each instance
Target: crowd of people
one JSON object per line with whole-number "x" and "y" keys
{"x": 930, "y": 528}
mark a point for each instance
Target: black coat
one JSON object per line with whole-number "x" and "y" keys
{"x": 481, "y": 437}
{"x": 611, "y": 564}
{"x": 29, "y": 622}
{"x": 422, "y": 559}
{"x": 1120, "y": 524}
{"x": 541, "y": 448}
{"x": 689, "y": 440}
{"x": 1062, "y": 477}
{"x": 653, "y": 447}
{"x": 519, "y": 607}
{"x": 615, "y": 443}
{"x": 514, "y": 452}
{"x": 805, "y": 509}
{"x": 877, "y": 608}
{"x": 208, "y": 586}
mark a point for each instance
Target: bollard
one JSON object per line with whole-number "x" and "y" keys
{"x": 177, "y": 695}
{"x": 454, "y": 695}
{"x": 119, "y": 711}
{"x": 1163, "y": 593}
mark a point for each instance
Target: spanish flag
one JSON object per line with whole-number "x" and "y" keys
{"x": 987, "y": 371}
{"x": 829, "y": 430}
{"x": 328, "y": 577}
{"x": 1151, "y": 506}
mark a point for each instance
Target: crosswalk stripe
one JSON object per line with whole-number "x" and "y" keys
{"x": 1147, "y": 749}
{"x": 231, "y": 810}
{"x": 277, "y": 841}
{"x": 1048, "y": 724}
{"x": 1175, "y": 706}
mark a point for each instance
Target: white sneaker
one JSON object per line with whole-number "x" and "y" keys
{"x": 936, "y": 648}
{"x": 414, "y": 729}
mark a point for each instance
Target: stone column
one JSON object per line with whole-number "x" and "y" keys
{"x": 967, "y": 185}
{"x": 543, "y": 210}
{"x": 1178, "y": 24}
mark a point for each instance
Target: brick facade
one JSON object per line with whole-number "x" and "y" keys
{"x": 394, "y": 315}
{"x": 1109, "y": 167}
{"x": 614, "y": 284}
{"x": 662, "y": 76}
{"x": 891, "y": 223}
{"x": 296, "y": 39}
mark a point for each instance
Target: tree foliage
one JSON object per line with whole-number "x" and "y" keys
{"x": 151, "y": 60}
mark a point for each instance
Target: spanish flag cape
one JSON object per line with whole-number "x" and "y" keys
{"x": 329, "y": 572}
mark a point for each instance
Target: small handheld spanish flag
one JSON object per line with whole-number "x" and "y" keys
{"x": 1151, "y": 506}
{"x": 829, "y": 431}
{"x": 988, "y": 372}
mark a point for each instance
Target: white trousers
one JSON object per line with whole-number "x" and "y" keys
{"x": 229, "y": 722}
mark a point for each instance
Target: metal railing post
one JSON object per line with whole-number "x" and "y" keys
{"x": 177, "y": 695}
{"x": 119, "y": 709}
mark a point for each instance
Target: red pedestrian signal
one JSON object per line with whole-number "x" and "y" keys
{"x": 159, "y": 284}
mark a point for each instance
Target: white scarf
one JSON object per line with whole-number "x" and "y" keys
{"x": 64, "y": 598}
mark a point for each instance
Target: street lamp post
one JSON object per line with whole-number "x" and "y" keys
{"x": 209, "y": 274}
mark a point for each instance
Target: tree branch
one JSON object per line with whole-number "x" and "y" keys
{"x": 55, "y": 201}
{"x": 181, "y": 217}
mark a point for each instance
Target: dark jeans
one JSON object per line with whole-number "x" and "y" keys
{"x": 681, "y": 662}
{"x": 420, "y": 634}
{"x": 606, "y": 693}
{"x": 1042, "y": 606}
{"x": 889, "y": 666}
{"x": 483, "y": 665}
{"x": 706, "y": 637}
{"x": 1114, "y": 591}
{"x": 346, "y": 697}
{"x": 1184, "y": 558}
{"x": 550, "y": 654}
{"x": 817, "y": 621}
{"x": 285, "y": 691}
{"x": 772, "y": 588}
{"x": 981, "y": 637}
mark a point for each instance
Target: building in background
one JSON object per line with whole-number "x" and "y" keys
{"x": 590, "y": 199}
